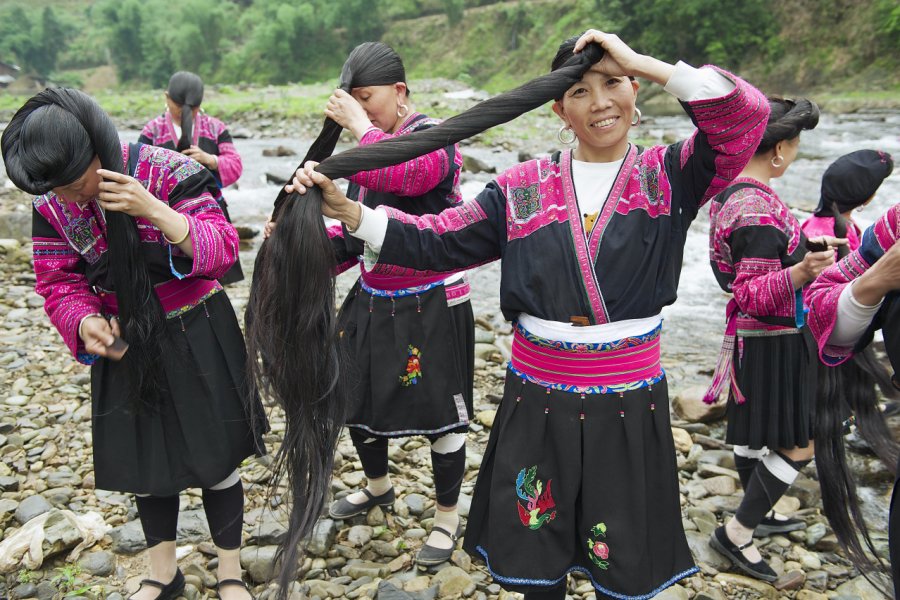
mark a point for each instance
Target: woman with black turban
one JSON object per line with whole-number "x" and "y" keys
{"x": 128, "y": 243}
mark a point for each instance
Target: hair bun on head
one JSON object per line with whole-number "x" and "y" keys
{"x": 787, "y": 119}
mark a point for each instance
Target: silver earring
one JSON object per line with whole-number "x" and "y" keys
{"x": 780, "y": 159}
{"x": 568, "y": 141}
{"x": 636, "y": 120}
{"x": 405, "y": 110}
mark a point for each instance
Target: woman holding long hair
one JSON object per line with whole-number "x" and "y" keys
{"x": 849, "y": 302}
{"x": 128, "y": 243}
{"x": 185, "y": 127}
{"x": 579, "y": 473}
{"x": 410, "y": 339}
{"x": 767, "y": 365}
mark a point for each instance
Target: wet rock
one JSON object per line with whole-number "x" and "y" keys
{"x": 31, "y": 507}
{"x": 259, "y": 562}
{"x": 100, "y": 564}
{"x": 689, "y": 405}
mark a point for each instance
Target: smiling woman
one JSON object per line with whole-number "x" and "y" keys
{"x": 579, "y": 473}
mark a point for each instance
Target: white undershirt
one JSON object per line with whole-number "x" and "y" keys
{"x": 592, "y": 184}
{"x": 853, "y": 318}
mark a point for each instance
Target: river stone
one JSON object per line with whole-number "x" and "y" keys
{"x": 807, "y": 491}
{"x": 485, "y": 351}
{"x": 720, "y": 485}
{"x": 128, "y": 538}
{"x": 861, "y": 587}
{"x": 259, "y": 562}
{"x": 453, "y": 580}
{"x": 60, "y": 534}
{"x": 9, "y": 484}
{"x": 674, "y": 592}
{"x": 366, "y": 568}
{"x": 325, "y": 589}
{"x": 270, "y": 532}
{"x": 762, "y": 588}
{"x": 192, "y": 526}
{"x": 58, "y": 479}
{"x": 416, "y": 503}
{"x": 322, "y": 538}
{"x": 31, "y": 507}
{"x": 810, "y": 595}
{"x": 359, "y": 535}
{"x": 699, "y": 544}
{"x": 486, "y": 417}
{"x": 385, "y": 549}
{"x": 689, "y": 405}
{"x": 683, "y": 440}
{"x": 100, "y": 564}
{"x": 23, "y": 590}
{"x": 476, "y": 165}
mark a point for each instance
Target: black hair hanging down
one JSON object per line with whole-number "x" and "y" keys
{"x": 786, "y": 120}
{"x": 186, "y": 89}
{"x": 50, "y": 142}
{"x": 292, "y": 337}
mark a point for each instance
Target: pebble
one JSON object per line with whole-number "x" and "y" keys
{"x": 31, "y": 507}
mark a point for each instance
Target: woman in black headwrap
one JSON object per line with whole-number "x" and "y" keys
{"x": 187, "y": 128}
{"x": 395, "y": 325}
{"x": 128, "y": 242}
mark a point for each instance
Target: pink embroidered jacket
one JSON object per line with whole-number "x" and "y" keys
{"x": 70, "y": 249}
{"x": 427, "y": 184}
{"x": 815, "y": 226}
{"x": 823, "y": 293}
{"x": 628, "y": 265}
{"x": 209, "y": 134}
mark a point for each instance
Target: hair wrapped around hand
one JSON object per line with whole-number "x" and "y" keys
{"x": 292, "y": 335}
{"x": 50, "y": 142}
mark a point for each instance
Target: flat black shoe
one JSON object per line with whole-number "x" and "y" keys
{"x": 167, "y": 591}
{"x": 235, "y": 582}
{"x": 344, "y": 509}
{"x": 430, "y": 555}
{"x": 724, "y": 546}
{"x": 770, "y": 526}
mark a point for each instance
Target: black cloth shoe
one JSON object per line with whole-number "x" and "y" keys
{"x": 724, "y": 546}
{"x": 344, "y": 509}
{"x": 236, "y": 582}
{"x": 770, "y": 526}
{"x": 167, "y": 591}
{"x": 429, "y": 555}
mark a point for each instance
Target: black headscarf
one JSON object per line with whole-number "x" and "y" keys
{"x": 186, "y": 89}
{"x": 852, "y": 179}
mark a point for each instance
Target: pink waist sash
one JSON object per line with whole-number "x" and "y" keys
{"x": 608, "y": 366}
{"x": 177, "y": 296}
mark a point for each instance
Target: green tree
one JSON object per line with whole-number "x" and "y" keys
{"x": 125, "y": 34}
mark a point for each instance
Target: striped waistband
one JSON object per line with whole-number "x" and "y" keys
{"x": 177, "y": 296}
{"x": 606, "y": 367}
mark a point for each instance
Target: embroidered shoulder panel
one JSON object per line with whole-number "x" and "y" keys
{"x": 534, "y": 196}
{"x": 648, "y": 187}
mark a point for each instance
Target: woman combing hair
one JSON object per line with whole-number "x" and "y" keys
{"x": 185, "y": 127}
{"x": 128, "y": 243}
{"x": 579, "y": 473}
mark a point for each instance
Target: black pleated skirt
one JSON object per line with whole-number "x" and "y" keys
{"x": 206, "y": 424}
{"x": 413, "y": 358}
{"x": 777, "y": 375}
{"x": 557, "y": 493}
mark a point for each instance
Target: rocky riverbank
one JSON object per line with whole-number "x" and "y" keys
{"x": 46, "y": 485}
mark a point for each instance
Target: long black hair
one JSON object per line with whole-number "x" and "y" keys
{"x": 50, "y": 142}
{"x": 291, "y": 329}
{"x": 186, "y": 89}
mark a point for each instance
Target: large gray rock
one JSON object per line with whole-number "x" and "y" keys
{"x": 101, "y": 564}
{"x": 259, "y": 562}
{"x": 61, "y": 533}
{"x": 699, "y": 544}
{"x": 322, "y": 538}
{"x": 31, "y": 507}
{"x": 128, "y": 538}
{"x": 192, "y": 526}
{"x": 270, "y": 532}
{"x": 453, "y": 580}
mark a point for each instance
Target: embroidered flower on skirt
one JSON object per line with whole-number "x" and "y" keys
{"x": 413, "y": 368}
{"x": 539, "y": 502}
{"x": 598, "y": 551}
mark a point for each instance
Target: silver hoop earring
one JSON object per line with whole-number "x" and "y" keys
{"x": 636, "y": 120}
{"x": 780, "y": 160}
{"x": 405, "y": 110}
{"x": 568, "y": 141}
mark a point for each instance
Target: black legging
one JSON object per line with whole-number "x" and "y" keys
{"x": 224, "y": 512}
{"x": 448, "y": 468}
